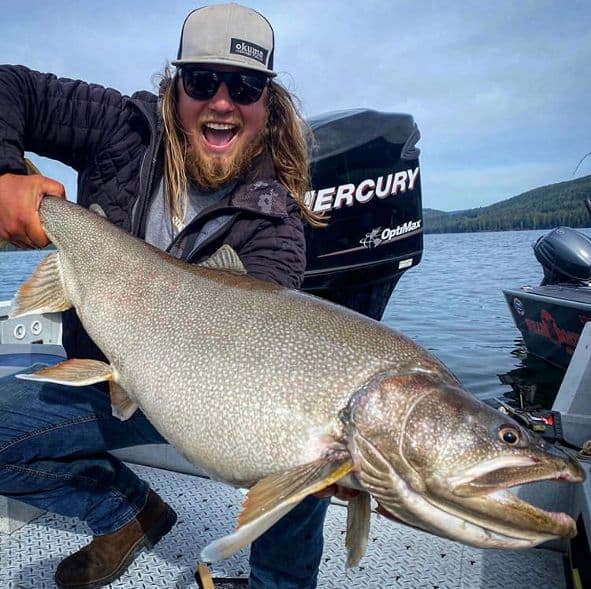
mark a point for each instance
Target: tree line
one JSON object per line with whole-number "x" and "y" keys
{"x": 540, "y": 208}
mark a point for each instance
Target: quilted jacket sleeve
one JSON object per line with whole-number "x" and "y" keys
{"x": 62, "y": 119}
{"x": 277, "y": 251}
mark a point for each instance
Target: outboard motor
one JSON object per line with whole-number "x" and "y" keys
{"x": 565, "y": 256}
{"x": 365, "y": 179}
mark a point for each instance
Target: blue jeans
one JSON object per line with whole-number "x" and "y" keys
{"x": 53, "y": 455}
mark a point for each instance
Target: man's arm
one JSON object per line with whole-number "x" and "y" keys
{"x": 277, "y": 252}
{"x": 66, "y": 120}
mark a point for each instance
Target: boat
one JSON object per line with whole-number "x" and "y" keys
{"x": 554, "y": 319}
{"x": 366, "y": 179}
{"x": 551, "y": 316}
{"x": 567, "y": 425}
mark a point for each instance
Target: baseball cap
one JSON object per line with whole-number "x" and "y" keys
{"x": 227, "y": 34}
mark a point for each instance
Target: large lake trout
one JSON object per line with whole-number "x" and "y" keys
{"x": 283, "y": 393}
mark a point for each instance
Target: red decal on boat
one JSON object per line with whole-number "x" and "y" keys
{"x": 549, "y": 329}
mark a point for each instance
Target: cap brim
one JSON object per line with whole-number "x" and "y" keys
{"x": 224, "y": 61}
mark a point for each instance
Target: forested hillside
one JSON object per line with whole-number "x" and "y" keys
{"x": 540, "y": 208}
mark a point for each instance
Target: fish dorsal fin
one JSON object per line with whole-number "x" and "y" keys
{"x": 271, "y": 498}
{"x": 43, "y": 292}
{"x": 358, "y": 520}
{"x": 76, "y": 372}
{"x": 96, "y": 208}
{"x": 226, "y": 259}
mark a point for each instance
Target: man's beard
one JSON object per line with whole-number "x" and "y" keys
{"x": 212, "y": 173}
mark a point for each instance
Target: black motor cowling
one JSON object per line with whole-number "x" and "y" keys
{"x": 365, "y": 178}
{"x": 565, "y": 256}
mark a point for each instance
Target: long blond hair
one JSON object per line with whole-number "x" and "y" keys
{"x": 286, "y": 138}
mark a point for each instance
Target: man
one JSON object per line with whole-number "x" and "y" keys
{"x": 219, "y": 157}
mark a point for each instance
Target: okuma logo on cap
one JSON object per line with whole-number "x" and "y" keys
{"x": 241, "y": 47}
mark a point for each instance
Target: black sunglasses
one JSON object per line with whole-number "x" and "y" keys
{"x": 244, "y": 88}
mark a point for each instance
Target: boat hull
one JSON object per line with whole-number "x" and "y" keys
{"x": 550, "y": 319}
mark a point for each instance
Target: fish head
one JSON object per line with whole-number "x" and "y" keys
{"x": 439, "y": 459}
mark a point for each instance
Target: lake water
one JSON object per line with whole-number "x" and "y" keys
{"x": 451, "y": 303}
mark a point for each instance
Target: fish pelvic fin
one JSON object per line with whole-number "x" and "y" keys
{"x": 43, "y": 292}
{"x": 83, "y": 372}
{"x": 225, "y": 258}
{"x": 122, "y": 406}
{"x": 358, "y": 521}
{"x": 273, "y": 497}
{"x": 75, "y": 372}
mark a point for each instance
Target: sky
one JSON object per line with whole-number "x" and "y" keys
{"x": 500, "y": 91}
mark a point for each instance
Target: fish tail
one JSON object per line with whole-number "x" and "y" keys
{"x": 44, "y": 291}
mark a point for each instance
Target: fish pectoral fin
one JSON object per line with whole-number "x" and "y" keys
{"x": 273, "y": 497}
{"x": 358, "y": 520}
{"x": 44, "y": 291}
{"x": 225, "y": 258}
{"x": 291, "y": 486}
{"x": 122, "y": 406}
{"x": 226, "y": 546}
{"x": 76, "y": 372}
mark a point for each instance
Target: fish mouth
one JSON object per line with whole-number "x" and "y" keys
{"x": 495, "y": 474}
{"x": 481, "y": 494}
{"x": 219, "y": 136}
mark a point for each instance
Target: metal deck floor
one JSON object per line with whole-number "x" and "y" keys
{"x": 398, "y": 557}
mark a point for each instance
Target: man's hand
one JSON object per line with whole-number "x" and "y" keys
{"x": 345, "y": 494}
{"x": 20, "y": 197}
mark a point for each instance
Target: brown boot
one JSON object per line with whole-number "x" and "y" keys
{"x": 107, "y": 557}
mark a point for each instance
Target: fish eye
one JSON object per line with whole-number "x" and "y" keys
{"x": 510, "y": 435}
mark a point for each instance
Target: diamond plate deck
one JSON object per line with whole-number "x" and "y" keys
{"x": 398, "y": 557}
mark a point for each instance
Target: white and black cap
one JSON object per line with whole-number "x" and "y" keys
{"x": 227, "y": 34}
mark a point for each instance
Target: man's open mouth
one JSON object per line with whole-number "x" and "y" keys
{"x": 219, "y": 135}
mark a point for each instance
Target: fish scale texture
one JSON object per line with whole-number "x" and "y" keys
{"x": 398, "y": 557}
{"x": 276, "y": 365}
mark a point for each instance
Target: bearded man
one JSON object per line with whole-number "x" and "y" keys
{"x": 218, "y": 157}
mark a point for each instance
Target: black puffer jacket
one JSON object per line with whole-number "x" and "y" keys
{"x": 114, "y": 142}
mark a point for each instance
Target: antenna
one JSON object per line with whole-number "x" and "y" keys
{"x": 580, "y": 162}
